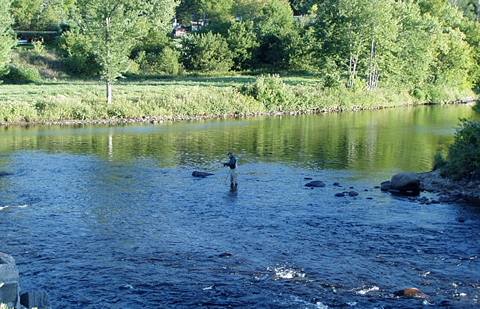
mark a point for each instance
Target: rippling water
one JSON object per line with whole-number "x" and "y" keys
{"x": 111, "y": 218}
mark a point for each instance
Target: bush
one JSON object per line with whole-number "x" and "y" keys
{"x": 79, "y": 56}
{"x": 162, "y": 61}
{"x": 22, "y": 74}
{"x": 272, "y": 92}
{"x": 439, "y": 161}
{"x": 206, "y": 52}
{"x": 463, "y": 161}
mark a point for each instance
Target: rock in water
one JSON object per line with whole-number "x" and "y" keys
{"x": 405, "y": 183}
{"x": 352, "y": 193}
{"x": 37, "y": 299}
{"x": 385, "y": 186}
{"x": 9, "y": 279}
{"x": 201, "y": 174}
{"x": 225, "y": 255}
{"x": 411, "y": 293}
{"x": 315, "y": 184}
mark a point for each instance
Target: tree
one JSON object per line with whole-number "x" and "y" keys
{"x": 41, "y": 14}
{"x": 206, "y": 52}
{"x": 242, "y": 41}
{"x": 115, "y": 26}
{"x": 301, "y": 7}
{"x": 218, "y": 13}
{"x": 357, "y": 37}
{"x": 6, "y": 34}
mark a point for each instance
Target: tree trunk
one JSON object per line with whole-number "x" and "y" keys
{"x": 352, "y": 71}
{"x": 373, "y": 68}
{"x": 109, "y": 92}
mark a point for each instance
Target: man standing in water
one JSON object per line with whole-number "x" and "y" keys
{"x": 232, "y": 164}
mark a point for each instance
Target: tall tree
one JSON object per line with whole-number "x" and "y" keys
{"x": 41, "y": 14}
{"x": 357, "y": 37}
{"x": 115, "y": 26}
{"x": 6, "y": 34}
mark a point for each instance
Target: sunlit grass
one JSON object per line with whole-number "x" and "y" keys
{"x": 182, "y": 98}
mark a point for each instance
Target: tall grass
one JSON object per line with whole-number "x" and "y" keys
{"x": 188, "y": 98}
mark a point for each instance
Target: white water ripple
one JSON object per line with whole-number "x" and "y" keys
{"x": 9, "y": 207}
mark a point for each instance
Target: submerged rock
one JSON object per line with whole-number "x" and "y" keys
{"x": 315, "y": 184}
{"x": 337, "y": 184}
{"x": 340, "y": 194}
{"x": 411, "y": 293}
{"x": 225, "y": 255}
{"x": 353, "y": 193}
{"x": 201, "y": 174}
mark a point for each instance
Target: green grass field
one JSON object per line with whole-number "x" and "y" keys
{"x": 186, "y": 98}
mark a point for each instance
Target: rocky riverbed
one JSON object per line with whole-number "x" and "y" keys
{"x": 449, "y": 190}
{"x": 444, "y": 189}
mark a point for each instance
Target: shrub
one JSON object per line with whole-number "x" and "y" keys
{"x": 272, "y": 92}
{"x": 463, "y": 159}
{"x": 79, "y": 56}
{"x": 162, "y": 61}
{"x": 206, "y": 52}
{"x": 439, "y": 161}
{"x": 22, "y": 74}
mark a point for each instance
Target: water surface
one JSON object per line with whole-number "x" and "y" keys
{"x": 110, "y": 217}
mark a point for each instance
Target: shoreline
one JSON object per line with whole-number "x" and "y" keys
{"x": 448, "y": 190}
{"x": 173, "y": 119}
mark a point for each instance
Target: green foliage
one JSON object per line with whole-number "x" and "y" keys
{"x": 242, "y": 41}
{"x": 463, "y": 160}
{"x": 276, "y": 16}
{"x": 301, "y": 6}
{"x": 166, "y": 61}
{"x": 439, "y": 161}
{"x": 272, "y": 92}
{"x": 41, "y": 14}
{"x": 6, "y": 35}
{"x": 157, "y": 56}
{"x": 186, "y": 97}
{"x": 78, "y": 50}
{"x": 21, "y": 73}
{"x": 114, "y": 27}
{"x": 206, "y": 52}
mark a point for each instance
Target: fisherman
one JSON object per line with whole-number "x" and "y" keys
{"x": 232, "y": 164}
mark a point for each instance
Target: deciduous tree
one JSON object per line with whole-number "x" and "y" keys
{"x": 115, "y": 26}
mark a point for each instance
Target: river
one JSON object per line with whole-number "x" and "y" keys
{"x": 110, "y": 217}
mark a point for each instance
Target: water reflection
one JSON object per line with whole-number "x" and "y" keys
{"x": 403, "y": 139}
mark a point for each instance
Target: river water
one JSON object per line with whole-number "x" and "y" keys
{"x": 110, "y": 217}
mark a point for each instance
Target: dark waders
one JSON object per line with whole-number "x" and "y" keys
{"x": 232, "y": 164}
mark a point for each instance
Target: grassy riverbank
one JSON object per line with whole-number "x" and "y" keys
{"x": 193, "y": 97}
